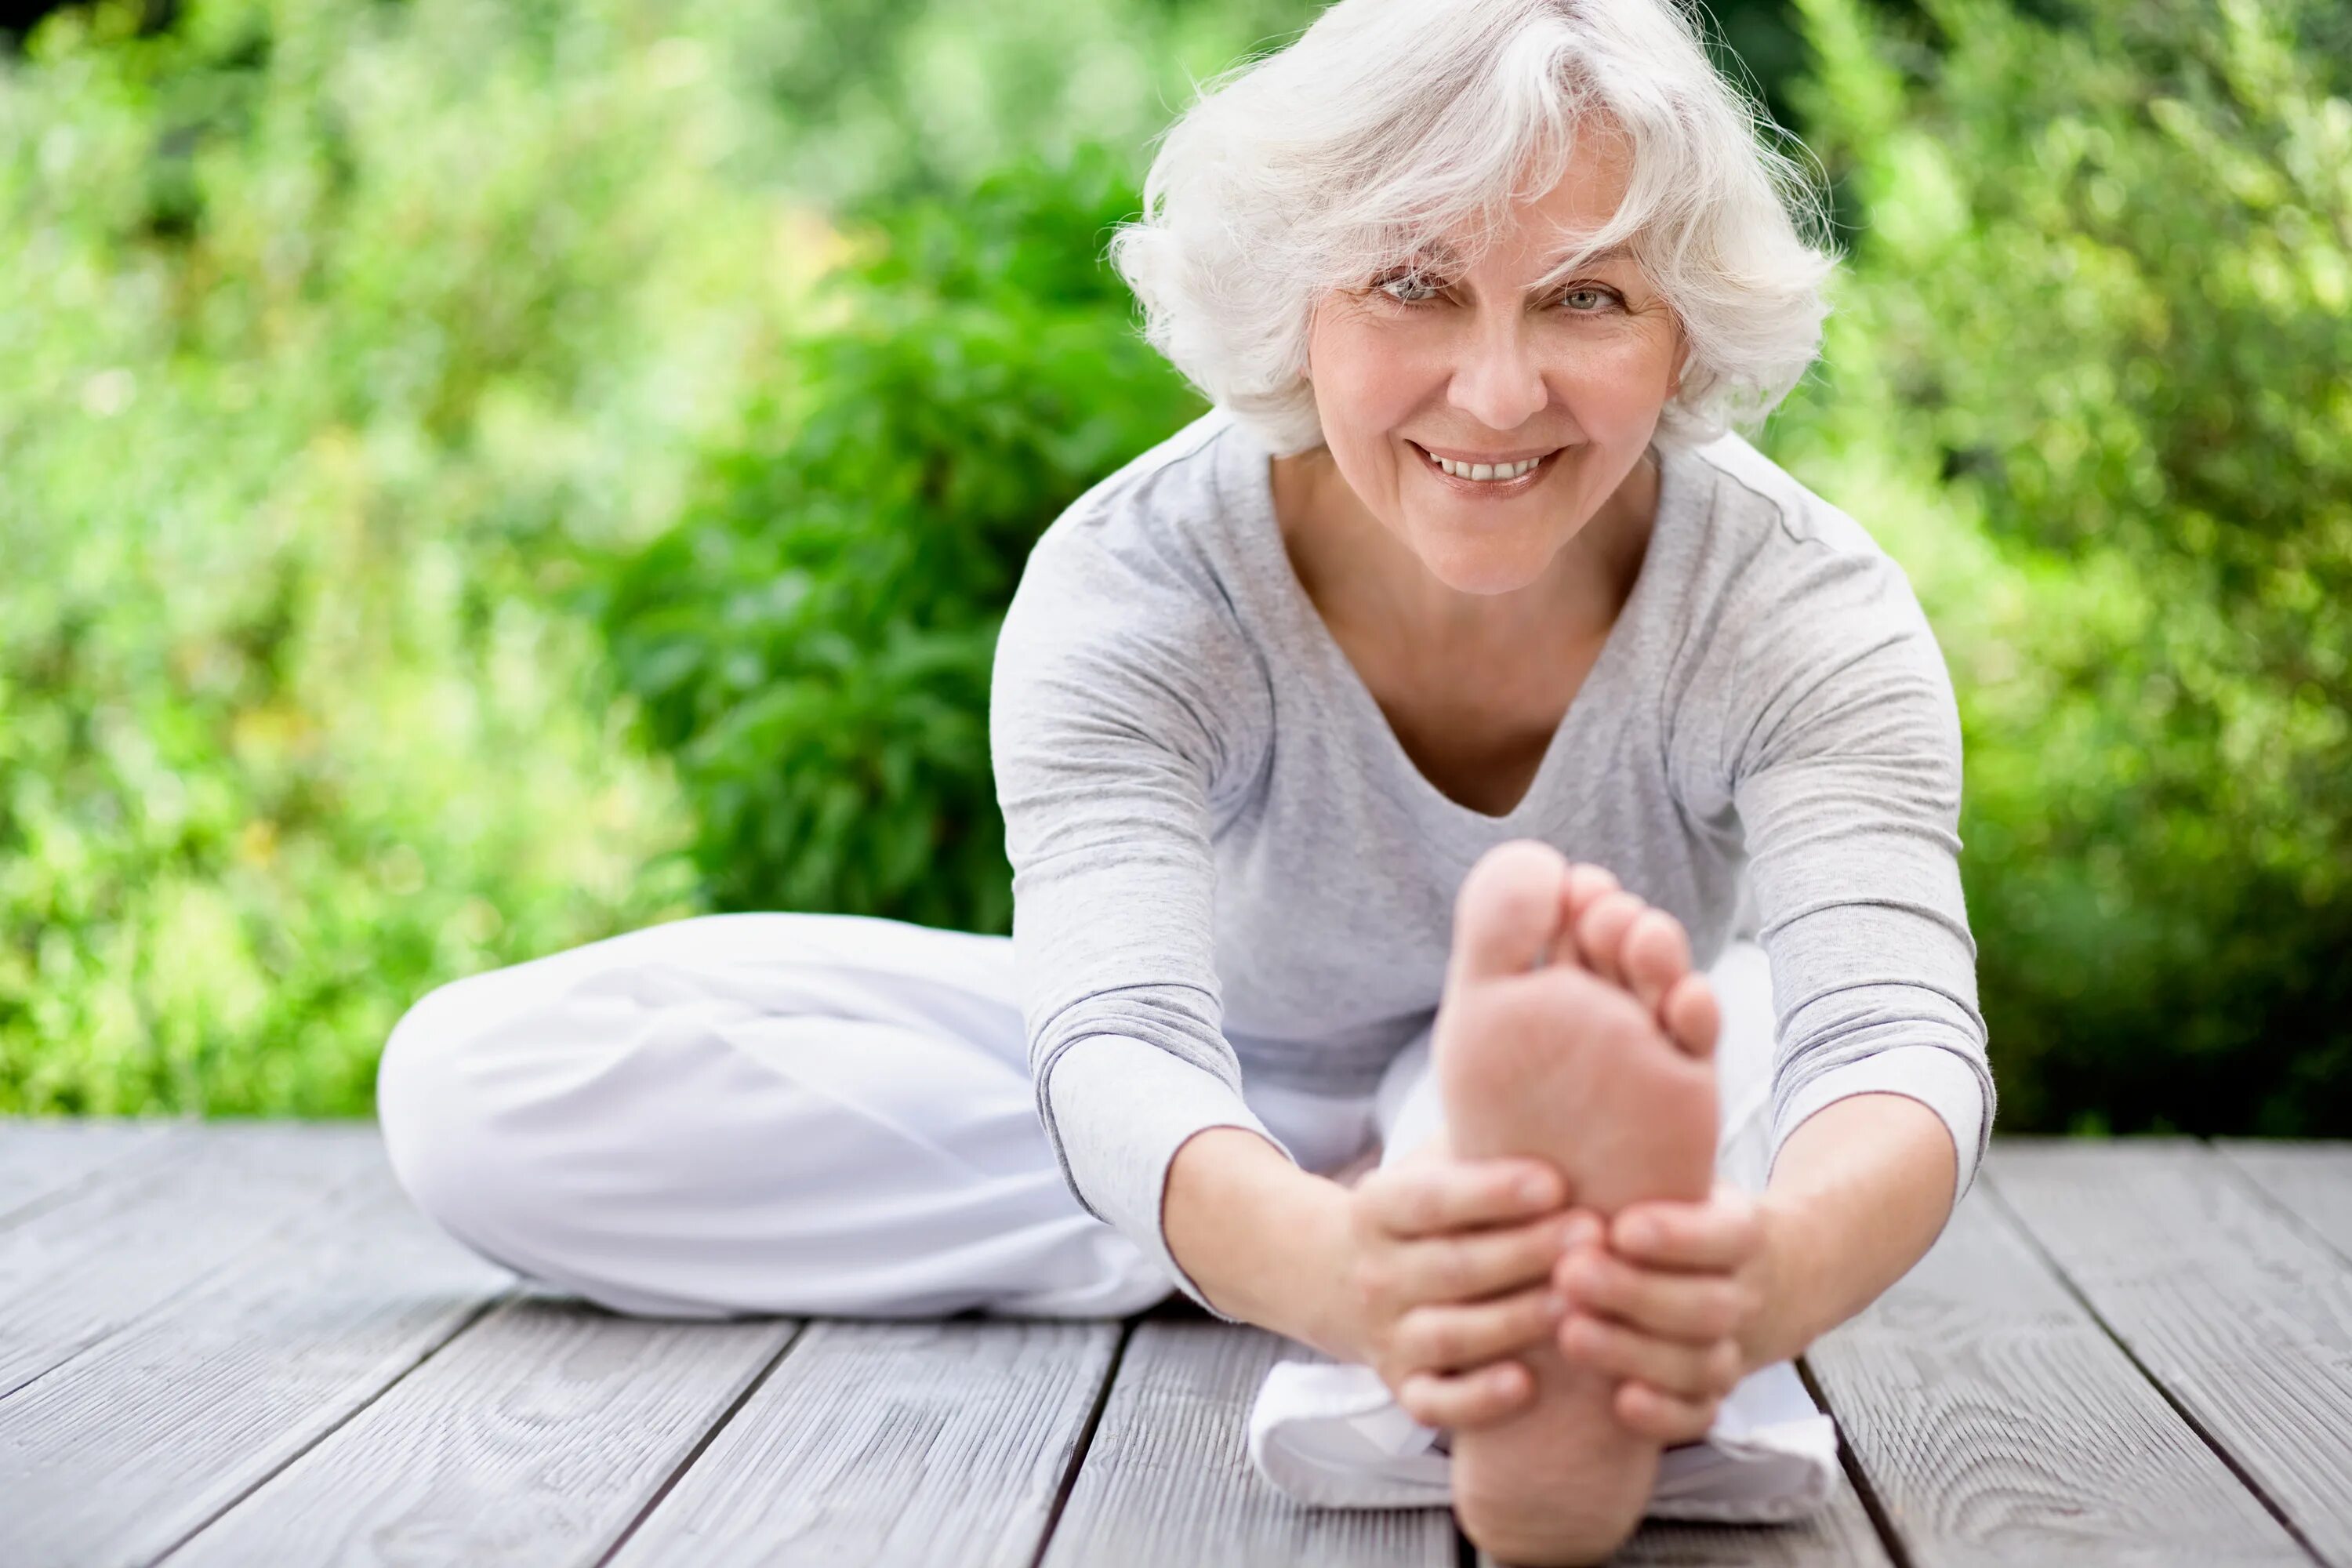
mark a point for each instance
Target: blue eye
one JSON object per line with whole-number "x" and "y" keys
{"x": 1600, "y": 298}
{"x": 1389, "y": 284}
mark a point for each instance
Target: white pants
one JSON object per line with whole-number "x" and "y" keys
{"x": 827, "y": 1115}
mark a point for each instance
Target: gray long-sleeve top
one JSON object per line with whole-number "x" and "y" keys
{"x": 1224, "y": 864}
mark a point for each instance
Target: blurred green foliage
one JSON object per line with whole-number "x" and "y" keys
{"x": 813, "y": 641}
{"x": 326, "y": 330}
{"x": 2089, "y": 380}
{"x": 450, "y": 523}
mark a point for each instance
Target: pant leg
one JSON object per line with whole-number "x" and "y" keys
{"x": 1408, "y": 1111}
{"x": 751, "y": 1114}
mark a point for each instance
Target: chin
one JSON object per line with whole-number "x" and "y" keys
{"x": 1484, "y": 565}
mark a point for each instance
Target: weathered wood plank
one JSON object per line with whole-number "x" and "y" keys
{"x": 1167, "y": 1482}
{"x": 535, "y": 1436}
{"x": 111, "y": 1252}
{"x": 1997, "y": 1423}
{"x": 2238, "y": 1311}
{"x": 42, "y": 1160}
{"x": 1838, "y": 1536}
{"x": 122, "y": 1452}
{"x": 944, "y": 1444}
{"x": 2312, "y": 1180}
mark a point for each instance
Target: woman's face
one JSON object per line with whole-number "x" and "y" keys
{"x": 1462, "y": 363}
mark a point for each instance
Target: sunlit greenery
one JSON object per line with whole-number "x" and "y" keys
{"x": 2089, "y": 380}
{"x": 449, "y": 520}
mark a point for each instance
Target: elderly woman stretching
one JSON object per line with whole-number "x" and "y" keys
{"x": 1383, "y": 759}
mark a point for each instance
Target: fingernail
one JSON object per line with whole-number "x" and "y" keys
{"x": 1554, "y": 1306}
{"x": 1534, "y": 1190}
{"x": 1582, "y": 1231}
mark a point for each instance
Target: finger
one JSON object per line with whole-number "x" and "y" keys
{"x": 1441, "y": 1196}
{"x": 1668, "y": 1366}
{"x": 1692, "y": 1015}
{"x": 1696, "y": 1309}
{"x": 1601, "y": 933}
{"x": 1470, "y": 1266}
{"x": 1662, "y": 1417}
{"x": 1458, "y": 1337}
{"x": 1717, "y": 1236}
{"x": 1466, "y": 1400}
{"x": 1656, "y": 955}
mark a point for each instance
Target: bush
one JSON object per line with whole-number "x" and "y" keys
{"x": 325, "y": 331}
{"x": 812, "y": 643}
{"x": 2088, "y": 380}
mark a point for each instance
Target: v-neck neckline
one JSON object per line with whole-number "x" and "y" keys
{"x": 1256, "y": 492}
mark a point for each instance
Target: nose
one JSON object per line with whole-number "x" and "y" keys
{"x": 1496, "y": 379}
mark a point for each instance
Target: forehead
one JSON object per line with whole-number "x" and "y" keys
{"x": 1552, "y": 224}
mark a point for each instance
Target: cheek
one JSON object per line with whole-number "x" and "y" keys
{"x": 1364, "y": 391}
{"x": 1619, "y": 382}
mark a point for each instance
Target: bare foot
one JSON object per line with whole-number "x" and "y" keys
{"x": 1538, "y": 1054}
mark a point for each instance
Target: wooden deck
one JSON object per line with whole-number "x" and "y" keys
{"x": 238, "y": 1344}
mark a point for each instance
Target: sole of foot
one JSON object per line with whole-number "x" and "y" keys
{"x": 1538, "y": 1052}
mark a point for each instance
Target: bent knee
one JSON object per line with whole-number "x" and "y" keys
{"x": 433, "y": 1111}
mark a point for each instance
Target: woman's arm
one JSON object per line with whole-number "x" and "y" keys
{"x": 1824, "y": 732}
{"x": 1261, "y": 1238}
{"x": 1861, "y": 1190}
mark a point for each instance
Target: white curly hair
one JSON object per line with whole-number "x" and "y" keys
{"x": 1388, "y": 124}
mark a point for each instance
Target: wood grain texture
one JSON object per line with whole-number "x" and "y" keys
{"x": 1997, "y": 1422}
{"x": 125, "y": 1450}
{"x": 1839, "y": 1536}
{"x": 43, "y": 1160}
{"x": 535, "y": 1436}
{"x": 2239, "y": 1310}
{"x": 113, "y": 1251}
{"x": 1167, "y": 1482}
{"x": 2312, "y": 1181}
{"x": 944, "y": 1443}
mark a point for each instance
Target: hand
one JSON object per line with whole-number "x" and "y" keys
{"x": 1667, "y": 1302}
{"x": 1449, "y": 1269}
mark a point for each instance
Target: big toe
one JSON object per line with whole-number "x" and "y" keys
{"x": 1510, "y": 909}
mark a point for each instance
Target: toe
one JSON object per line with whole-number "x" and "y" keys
{"x": 1601, "y": 930}
{"x": 1656, "y": 956}
{"x": 1509, "y": 914}
{"x": 1692, "y": 1016}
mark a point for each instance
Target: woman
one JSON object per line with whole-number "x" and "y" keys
{"x": 1382, "y": 757}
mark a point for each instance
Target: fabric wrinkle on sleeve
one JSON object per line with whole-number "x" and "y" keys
{"x": 1122, "y": 696}
{"x": 1840, "y": 744}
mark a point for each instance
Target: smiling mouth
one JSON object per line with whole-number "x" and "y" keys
{"x": 1495, "y": 485}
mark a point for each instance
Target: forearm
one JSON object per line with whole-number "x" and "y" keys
{"x": 1261, "y": 1239}
{"x": 1860, "y": 1192}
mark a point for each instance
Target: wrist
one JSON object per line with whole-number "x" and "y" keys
{"x": 1779, "y": 1330}
{"x": 1256, "y": 1235}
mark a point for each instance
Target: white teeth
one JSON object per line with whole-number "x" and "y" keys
{"x": 1489, "y": 471}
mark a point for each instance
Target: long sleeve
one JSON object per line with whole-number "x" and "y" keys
{"x": 1839, "y": 739}
{"x": 1123, "y": 702}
